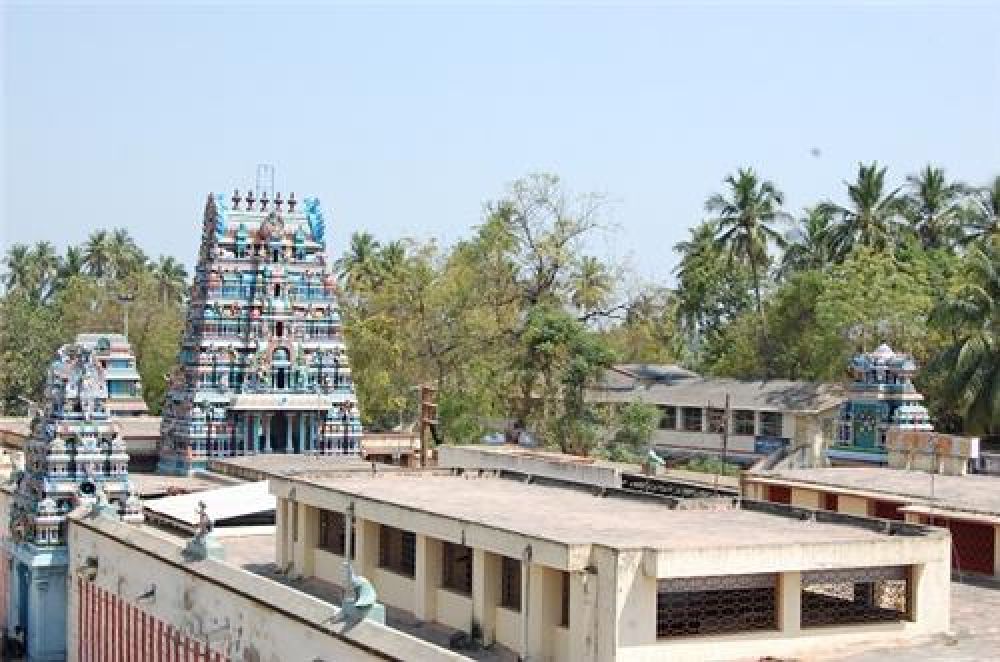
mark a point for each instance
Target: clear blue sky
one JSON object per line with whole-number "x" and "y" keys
{"x": 405, "y": 119}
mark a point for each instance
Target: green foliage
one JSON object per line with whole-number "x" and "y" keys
{"x": 710, "y": 465}
{"x": 636, "y": 423}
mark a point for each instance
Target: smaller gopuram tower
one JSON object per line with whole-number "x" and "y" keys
{"x": 881, "y": 397}
{"x": 75, "y": 456}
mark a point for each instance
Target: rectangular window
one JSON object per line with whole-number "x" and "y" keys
{"x": 701, "y": 606}
{"x": 332, "y": 532}
{"x": 456, "y": 568}
{"x": 770, "y": 424}
{"x": 854, "y": 596}
{"x": 564, "y": 606}
{"x": 743, "y": 422}
{"x": 668, "y": 417}
{"x": 510, "y": 583}
{"x": 691, "y": 418}
{"x": 397, "y": 550}
{"x": 716, "y": 419}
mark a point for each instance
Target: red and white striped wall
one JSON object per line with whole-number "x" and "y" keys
{"x": 113, "y": 630}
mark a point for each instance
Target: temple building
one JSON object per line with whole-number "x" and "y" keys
{"x": 75, "y": 456}
{"x": 262, "y": 366}
{"x": 881, "y": 398}
{"x": 113, "y": 352}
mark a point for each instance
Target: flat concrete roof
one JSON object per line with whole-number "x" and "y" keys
{"x": 577, "y": 517}
{"x": 280, "y": 464}
{"x": 971, "y": 493}
{"x": 155, "y": 485}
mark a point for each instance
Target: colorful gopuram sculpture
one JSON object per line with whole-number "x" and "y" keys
{"x": 75, "y": 456}
{"x": 881, "y": 395}
{"x": 263, "y": 366}
{"x": 113, "y": 352}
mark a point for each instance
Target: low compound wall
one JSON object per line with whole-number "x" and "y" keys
{"x": 133, "y": 596}
{"x": 470, "y": 457}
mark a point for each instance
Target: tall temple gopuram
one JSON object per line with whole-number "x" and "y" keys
{"x": 262, "y": 366}
{"x": 75, "y": 456}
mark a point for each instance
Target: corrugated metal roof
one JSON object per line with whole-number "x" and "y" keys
{"x": 220, "y": 504}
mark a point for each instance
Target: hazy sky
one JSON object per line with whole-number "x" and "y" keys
{"x": 404, "y": 120}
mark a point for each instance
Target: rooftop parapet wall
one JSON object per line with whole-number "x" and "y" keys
{"x": 239, "y": 615}
{"x": 469, "y": 457}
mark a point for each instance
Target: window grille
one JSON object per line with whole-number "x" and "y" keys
{"x": 668, "y": 417}
{"x": 332, "y": 532}
{"x": 716, "y": 419}
{"x": 456, "y": 568}
{"x": 770, "y": 424}
{"x": 510, "y": 583}
{"x": 857, "y": 595}
{"x": 743, "y": 422}
{"x": 564, "y": 606}
{"x": 397, "y": 550}
{"x": 698, "y": 606}
{"x": 691, "y": 418}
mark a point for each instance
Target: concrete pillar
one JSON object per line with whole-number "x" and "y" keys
{"x": 534, "y": 619}
{"x": 281, "y": 531}
{"x": 790, "y": 602}
{"x": 308, "y": 521}
{"x": 288, "y": 432}
{"x": 303, "y": 445}
{"x": 931, "y": 593}
{"x": 428, "y": 577}
{"x": 267, "y": 434}
{"x": 583, "y": 616}
{"x": 365, "y": 547}
{"x": 485, "y": 592}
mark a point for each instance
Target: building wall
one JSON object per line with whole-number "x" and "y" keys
{"x": 236, "y": 614}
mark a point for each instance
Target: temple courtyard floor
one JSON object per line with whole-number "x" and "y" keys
{"x": 975, "y": 616}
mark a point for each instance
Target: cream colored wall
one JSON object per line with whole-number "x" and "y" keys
{"x": 328, "y": 566}
{"x": 852, "y": 505}
{"x": 454, "y": 610}
{"x": 708, "y": 441}
{"x": 393, "y": 589}
{"x": 508, "y": 628}
{"x": 806, "y": 498}
{"x": 249, "y": 617}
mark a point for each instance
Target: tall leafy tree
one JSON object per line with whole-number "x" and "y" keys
{"x": 871, "y": 215}
{"x": 359, "y": 264}
{"x": 18, "y": 269}
{"x": 72, "y": 264}
{"x": 971, "y": 360}
{"x": 981, "y": 217}
{"x": 98, "y": 254}
{"x": 933, "y": 207}
{"x": 171, "y": 279}
{"x": 590, "y": 285}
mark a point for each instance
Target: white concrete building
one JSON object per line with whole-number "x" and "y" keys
{"x": 583, "y": 573}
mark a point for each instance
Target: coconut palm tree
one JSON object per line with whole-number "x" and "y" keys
{"x": 746, "y": 213}
{"x": 171, "y": 279}
{"x": 971, "y": 363}
{"x": 72, "y": 264}
{"x": 97, "y": 254}
{"x": 17, "y": 263}
{"x": 126, "y": 256}
{"x": 359, "y": 264}
{"x": 392, "y": 256}
{"x": 933, "y": 207}
{"x": 809, "y": 245}
{"x": 982, "y": 215}
{"x": 871, "y": 217}
{"x": 591, "y": 284}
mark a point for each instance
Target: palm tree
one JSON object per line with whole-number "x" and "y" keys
{"x": 360, "y": 262}
{"x": 808, "y": 244}
{"x": 72, "y": 264}
{"x": 744, "y": 218}
{"x": 171, "y": 279}
{"x": 45, "y": 268}
{"x": 971, "y": 364}
{"x": 392, "y": 256}
{"x": 933, "y": 207}
{"x": 126, "y": 256}
{"x": 871, "y": 217}
{"x": 97, "y": 254}
{"x": 982, "y": 216}
{"x": 695, "y": 253}
{"x": 591, "y": 284}
{"x": 18, "y": 267}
